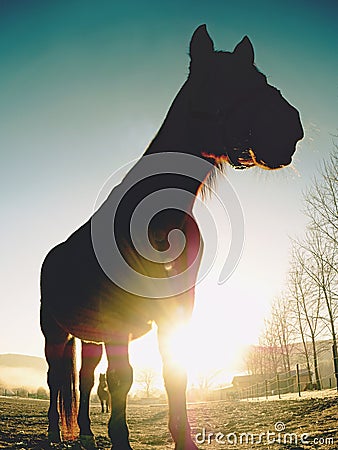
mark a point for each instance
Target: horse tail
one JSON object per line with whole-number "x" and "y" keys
{"x": 68, "y": 393}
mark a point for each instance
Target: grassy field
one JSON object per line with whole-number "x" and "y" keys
{"x": 292, "y": 424}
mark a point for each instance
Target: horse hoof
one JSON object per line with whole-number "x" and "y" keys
{"x": 88, "y": 442}
{"x": 186, "y": 446}
{"x": 54, "y": 437}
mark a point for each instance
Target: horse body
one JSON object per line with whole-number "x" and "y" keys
{"x": 86, "y": 294}
{"x": 88, "y": 304}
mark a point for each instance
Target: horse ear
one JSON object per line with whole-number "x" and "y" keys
{"x": 244, "y": 51}
{"x": 201, "y": 44}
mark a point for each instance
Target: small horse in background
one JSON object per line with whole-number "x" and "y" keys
{"x": 103, "y": 393}
{"x": 225, "y": 112}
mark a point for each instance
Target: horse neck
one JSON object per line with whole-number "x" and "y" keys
{"x": 175, "y": 136}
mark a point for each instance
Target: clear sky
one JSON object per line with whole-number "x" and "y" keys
{"x": 85, "y": 85}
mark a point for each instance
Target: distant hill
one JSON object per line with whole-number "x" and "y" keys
{"x": 15, "y": 360}
{"x": 22, "y": 370}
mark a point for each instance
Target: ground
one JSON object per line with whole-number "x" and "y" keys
{"x": 289, "y": 424}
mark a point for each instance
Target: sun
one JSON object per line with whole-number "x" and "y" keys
{"x": 190, "y": 346}
{"x": 198, "y": 349}
{"x": 178, "y": 344}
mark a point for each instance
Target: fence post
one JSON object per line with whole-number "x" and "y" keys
{"x": 298, "y": 379}
{"x": 335, "y": 362}
{"x": 266, "y": 390}
{"x": 278, "y": 386}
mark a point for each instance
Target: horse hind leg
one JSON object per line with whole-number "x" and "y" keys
{"x": 119, "y": 379}
{"x": 59, "y": 351}
{"x": 91, "y": 356}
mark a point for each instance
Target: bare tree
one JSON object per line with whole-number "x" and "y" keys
{"x": 321, "y": 242}
{"x": 206, "y": 381}
{"x": 319, "y": 266}
{"x": 281, "y": 316}
{"x": 256, "y": 360}
{"x": 300, "y": 323}
{"x": 146, "y": 378}
{"x": 321, "y": 201}
{"x": 306, "y": 302}
{"x": 41, "y": 393}
{"x": 270, "y": 347}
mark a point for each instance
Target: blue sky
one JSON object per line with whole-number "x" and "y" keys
{"x": 84, "y": 87}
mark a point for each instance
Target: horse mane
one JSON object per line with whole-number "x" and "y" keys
{"x": 210, "y": 182}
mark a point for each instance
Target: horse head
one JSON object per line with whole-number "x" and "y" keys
{"x": 103, "y": 379}
{"x": 246, "y": 121}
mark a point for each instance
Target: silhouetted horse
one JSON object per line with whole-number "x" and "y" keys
{"x": 225, "y": 112}
{"x": 102, "y": 392}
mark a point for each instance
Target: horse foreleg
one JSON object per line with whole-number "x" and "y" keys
{"x": 119, "y": 379}
{"x": 175, "y": 381}
{"x": 91, "y": 355}
{"x": 107, "y": 405}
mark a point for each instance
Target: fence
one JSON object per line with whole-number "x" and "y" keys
{"x": 260, "y": 386}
